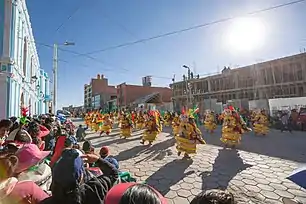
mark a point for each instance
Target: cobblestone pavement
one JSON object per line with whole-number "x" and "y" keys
{"x": 251, "y": 176}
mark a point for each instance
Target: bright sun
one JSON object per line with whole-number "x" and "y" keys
{"x": 246, "y": 34}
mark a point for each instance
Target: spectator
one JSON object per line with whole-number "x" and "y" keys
{"x": 88, "y": 148}
{"x": 18, "y": 138}
{"x": 15, "y": 124}
{"x": 5, "y": 126}
{"x": 72, "y": 185}
{"x": 80, "y": 133}
{"x": 131, "y": 193}
{"x": 37, "y": 133}
{"x": 32, "y": 166}
{"x": 104, "y": 153}
{"x": 13, "y": 191}
{"x": 214, "y": 197}
{"x": 50, "y": 138}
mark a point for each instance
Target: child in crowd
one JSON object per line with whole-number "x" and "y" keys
{"x": 214, "y": 197}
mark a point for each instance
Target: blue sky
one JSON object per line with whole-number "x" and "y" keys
{"x": 98, "y": 24}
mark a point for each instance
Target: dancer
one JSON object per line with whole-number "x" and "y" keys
{"x": 167, "y": 119}
{"x": 140, "y": 121}
{"x": 134, "y": 119}
{"x": 209, "y": 122}
{"x": 175, "y": 124}
{"x": 151, "y": 130}
{"x": 233, "y": 127}
{"x": 261, "y": 123}
{"x": 126, "y": 127}
{"x": 188, "y": 137}
{"x": 107, "y": 125}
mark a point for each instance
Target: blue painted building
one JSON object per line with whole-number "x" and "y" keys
{"x": 22, "y": 81}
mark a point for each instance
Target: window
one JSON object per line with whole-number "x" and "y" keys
{"x": 25, "y": 54}
{"x": 31, "y": 67}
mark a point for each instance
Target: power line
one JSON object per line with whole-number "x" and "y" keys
{"x": 85, "y": 56}
{"x": 68, "y": 18}
{"x": 192, "y": 28}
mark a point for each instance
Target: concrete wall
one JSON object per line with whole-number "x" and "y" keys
{"x": 287, "y": 103}
{"x": 259, "y": 104}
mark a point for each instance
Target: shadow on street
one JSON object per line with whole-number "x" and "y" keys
{"x": 275, "y": 144}
{"x": 130, "y": 153}
{"x": 158, "y": 151}
{"x": 226, "y": 166}
{"x": 169, "y": 174}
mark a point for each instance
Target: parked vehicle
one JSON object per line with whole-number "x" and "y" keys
{"x": 64, "y": 112}
{"x": 301, "y": 119}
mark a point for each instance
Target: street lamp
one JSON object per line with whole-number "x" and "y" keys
{"x": 55, "y": 67}
{"x": 188, "y": 85}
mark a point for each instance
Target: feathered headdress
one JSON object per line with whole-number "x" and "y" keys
{"x": 24, "y": 115}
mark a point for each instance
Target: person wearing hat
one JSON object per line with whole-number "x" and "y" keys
{"x": 11, "y": 189}
{"x": 71, "y": 184}
{"x": 126, "y": 127}
{"x": 175, "y": 124}
{"x": 209, "y": 122}
{"x": 133, "y": 193}
{"x": 188, "y": 137}
{"x": 151, "y": 131}
{"x": 104, "y": 153}
{"x": 17, "y": 138}
{"x": 107, "y": 125}
{"x": 32, "y": 166}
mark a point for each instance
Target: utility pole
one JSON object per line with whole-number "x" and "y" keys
{"x": 55, "y": 63}
{"x": 55, "y": 69}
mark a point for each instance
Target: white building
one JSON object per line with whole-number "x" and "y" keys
{"x": 22, "y": 81}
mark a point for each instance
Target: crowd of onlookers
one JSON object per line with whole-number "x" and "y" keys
{"x": 41, "y": 161}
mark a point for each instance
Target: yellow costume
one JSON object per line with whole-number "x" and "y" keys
{"x": 209, "y": 122}
{"x": 167, "y": 119}
{"x": 176, "y": 125}
{"x": 232, "y": 128}
{"x": 87, "y": 119}
{"x": 151, "y": 131}
{"x": 95, "y": 123}
{"x": 260, "y": 125}
{"x": 140, "y": 122}
{"x": 189, "y": 136}
{"x": 107, "y": 125}
{"x": 126, "y": 127}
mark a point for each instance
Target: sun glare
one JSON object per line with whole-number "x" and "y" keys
{"x": 245, "y": 34}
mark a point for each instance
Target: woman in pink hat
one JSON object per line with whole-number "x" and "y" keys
{"x": 11, "y": 189}
{"x": 32, "y": 166}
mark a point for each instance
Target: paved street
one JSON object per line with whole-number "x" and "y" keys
{"x": 255, "y": 172}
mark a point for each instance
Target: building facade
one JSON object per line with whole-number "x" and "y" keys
{"x": 97, "y": 93}
{"x": 127, "y": 94}
{"x": 279, "y": 78}
{"x": 22, "y": 81}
